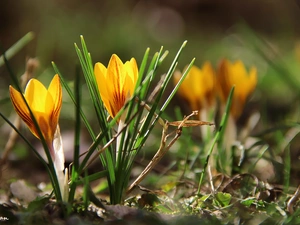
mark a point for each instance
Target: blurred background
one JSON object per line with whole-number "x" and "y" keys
{"x": 256, "y": 32}
{"x": 261, "y": 33}
{"x": 213, "y": 28}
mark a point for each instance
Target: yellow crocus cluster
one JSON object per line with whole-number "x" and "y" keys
{"x": 116, "y": 85}
{"x": 201, "y": 87}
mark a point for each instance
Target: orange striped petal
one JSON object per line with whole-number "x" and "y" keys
{"x": 21, "y": 107}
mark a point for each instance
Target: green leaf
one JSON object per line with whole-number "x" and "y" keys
{"x": 223, "y": 198}
{"x": 218, "y": 137}
{"x": 13, "y": 50}
{"x": 248, "y": 201}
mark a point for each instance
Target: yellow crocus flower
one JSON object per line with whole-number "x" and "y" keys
{"x": 45, "y": 105}
{"x": 198, "y": 87}
{"x": 116, "y": 83}
{"x": 235, "y": 74}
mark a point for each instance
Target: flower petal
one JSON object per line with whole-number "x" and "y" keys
{"x": 100, "y": 72}
{"x": 36, "y": 96}
{"x": 224, "y": 84}
{"x": 131, "y": 76}
{"x": 235, "y": 74}
{"x": 132, "y": 71}
{"x": 20, "y": 106}
{"x": 115, "y": 74}
{"x": 55, "y": 91}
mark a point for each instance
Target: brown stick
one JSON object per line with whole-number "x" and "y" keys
{"x": 162, "y": 149}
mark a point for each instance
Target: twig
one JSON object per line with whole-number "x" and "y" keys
{"x": 292, "y": 201}
{"x": 162, "y": 149}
